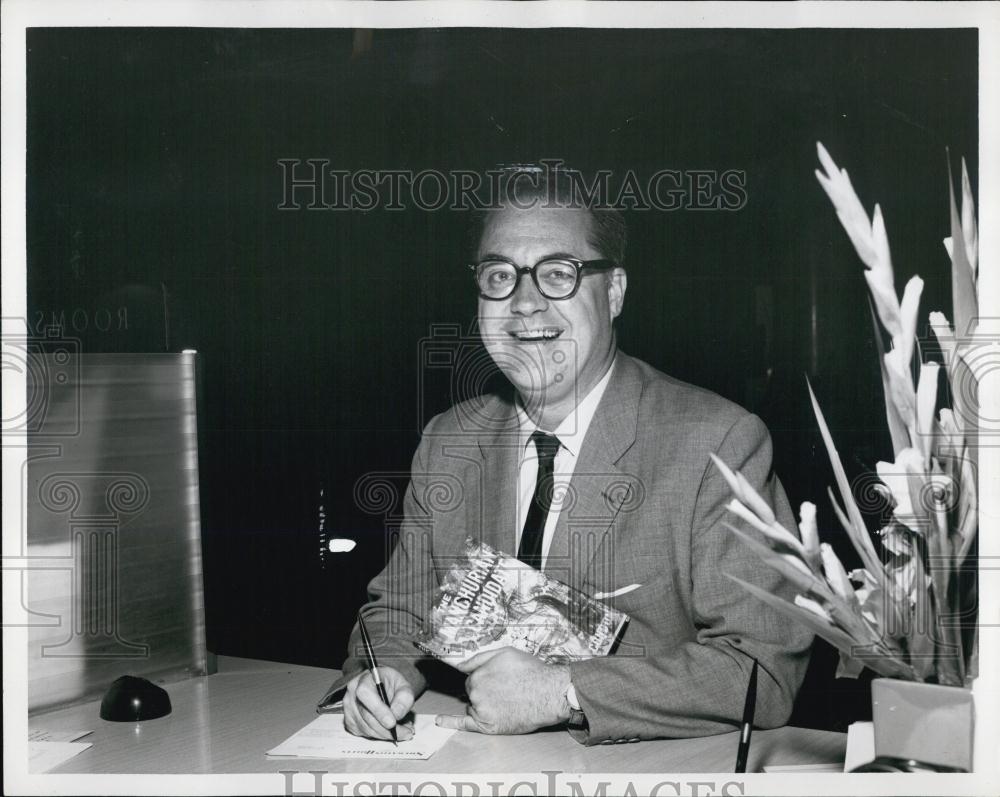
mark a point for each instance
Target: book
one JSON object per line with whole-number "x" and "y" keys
{"x": 489, "y": 599}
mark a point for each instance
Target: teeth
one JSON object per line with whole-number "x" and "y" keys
{"x": 537, "y": 334}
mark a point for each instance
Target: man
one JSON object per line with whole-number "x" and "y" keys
{"x": 633, "y": 512}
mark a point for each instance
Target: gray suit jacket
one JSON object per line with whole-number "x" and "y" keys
{"x": 646, "y": 508}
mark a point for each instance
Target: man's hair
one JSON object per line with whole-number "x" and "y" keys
{"x": 544, "y": 185}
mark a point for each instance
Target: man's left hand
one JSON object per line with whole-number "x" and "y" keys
{"x": 510, "y": 692}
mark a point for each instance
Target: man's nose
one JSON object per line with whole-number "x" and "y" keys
{"x": 527, "y": 299}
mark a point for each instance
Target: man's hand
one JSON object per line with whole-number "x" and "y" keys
{"x": 366, "y": 715}
{"x": 511, "y": 692}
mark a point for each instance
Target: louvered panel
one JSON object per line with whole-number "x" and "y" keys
{"x": 114, "y": 536}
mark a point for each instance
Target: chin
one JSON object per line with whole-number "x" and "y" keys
{"x": 544, "y": 395}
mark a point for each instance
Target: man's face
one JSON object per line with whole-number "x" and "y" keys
{"x": 552, "y": 350}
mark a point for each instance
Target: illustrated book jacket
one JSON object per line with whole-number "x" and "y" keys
{"x": 490, "y": 600}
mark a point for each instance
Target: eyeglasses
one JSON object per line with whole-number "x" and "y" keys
{"x": 555, "y": 277}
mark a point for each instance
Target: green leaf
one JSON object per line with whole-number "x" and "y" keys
{"x": 963, "y": 287}
{"x": 846, "y": 613}
{"x": 783, "y": 563}
{"x": 950, "y": 659}
{"x": 969, "y": 232}
{"x": 835, "y": 636}
{"x": 964, "y": 386}
{"x": 856, "y": 526}
{"x": 897, "y": 428}
{"x": 920, "y": 639}
{"x": 926, "y": 401}
{"x": 887, "y": 665}
{"x": 835, "y": 574}
{"x": 968, "y": 509}
{"x": 849, "y": 667}
{"x": 901, "y": 392}
{"x": 775, "y": 532}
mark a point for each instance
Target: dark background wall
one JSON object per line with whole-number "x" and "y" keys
{"x": 153, "y": 188}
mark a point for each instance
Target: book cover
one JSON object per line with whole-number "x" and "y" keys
{"x": 489, "y": 599}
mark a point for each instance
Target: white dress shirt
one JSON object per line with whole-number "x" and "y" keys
{"x": 571, "y": 433}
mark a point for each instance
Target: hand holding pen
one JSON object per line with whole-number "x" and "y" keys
{"x": 378, "y": 698}
{"x": 373, "y": 669}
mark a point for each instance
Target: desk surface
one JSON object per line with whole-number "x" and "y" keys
{"x": 224, "y": 723}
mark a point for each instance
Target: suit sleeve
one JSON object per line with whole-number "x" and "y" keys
{"x": 699, "y": 688}
{"x": 400, "y": 596}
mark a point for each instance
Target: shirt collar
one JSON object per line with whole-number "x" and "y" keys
{"x": 574, "y": 426}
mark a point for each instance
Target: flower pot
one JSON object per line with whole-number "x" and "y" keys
{"x": 924, "y": 722}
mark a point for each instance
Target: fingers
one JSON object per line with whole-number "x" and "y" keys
{"x": 399, "y": 691}
{"x": 404, "y": 731}
{"x": 402, "y": 702}
{"x": 359, "y": 716}
{"x": 366, "y": 715}
{"x": 459, "y": 722}
{"x": 353, "y": 723}
{"x": 370, "y": 703}
{"x": 477, "y": 661}
{"x": 359, "y": 721}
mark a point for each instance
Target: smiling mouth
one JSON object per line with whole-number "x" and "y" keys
{"x": 539, "y": 335}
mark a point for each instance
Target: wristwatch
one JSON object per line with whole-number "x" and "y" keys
{"x": 577, "y": 719}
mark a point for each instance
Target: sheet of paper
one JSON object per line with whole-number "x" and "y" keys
{"x": 41, "y": 735}
{"x": 860, "y": 745}
{"x": 326, "y": 737}
{"x": 43, "y": 756}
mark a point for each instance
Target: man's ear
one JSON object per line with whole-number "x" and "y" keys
{"x": 617, "y": 283}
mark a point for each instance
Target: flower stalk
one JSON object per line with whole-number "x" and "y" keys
{"x": 897, "y": 613}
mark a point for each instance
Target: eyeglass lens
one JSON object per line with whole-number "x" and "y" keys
{"x": 556, "y": 278}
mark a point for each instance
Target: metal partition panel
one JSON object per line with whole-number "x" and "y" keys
{"x": 114, "y": 535}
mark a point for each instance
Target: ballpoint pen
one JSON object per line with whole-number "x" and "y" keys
{"x": 373, "y": 668}
{"x": 748, "y": 711}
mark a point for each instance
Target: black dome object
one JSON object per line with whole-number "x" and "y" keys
{"x": 133, "y": 699}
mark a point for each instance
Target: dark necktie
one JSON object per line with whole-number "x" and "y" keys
{"x": 530, "y": 549}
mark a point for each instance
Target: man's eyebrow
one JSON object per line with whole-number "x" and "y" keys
{"x": 550, "y": 256}
{"x": 561, "y": 254}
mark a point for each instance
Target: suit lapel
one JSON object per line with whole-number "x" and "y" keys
{"x": 500, "y": 451}
{"x": 598, "y": 487}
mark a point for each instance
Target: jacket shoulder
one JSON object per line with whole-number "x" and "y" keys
{"x": 482, "y": 415}
{"x": 668, "y": 396}
{"x": 685, "y": 417}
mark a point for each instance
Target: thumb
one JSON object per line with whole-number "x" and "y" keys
{"x": 477, "y": 661}
{"x": 458, "y": 722}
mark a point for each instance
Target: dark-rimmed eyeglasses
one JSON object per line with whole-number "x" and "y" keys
{"x": 555, "y": 277}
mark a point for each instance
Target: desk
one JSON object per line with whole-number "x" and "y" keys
{"x": 224, "y": 723}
